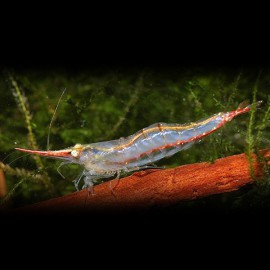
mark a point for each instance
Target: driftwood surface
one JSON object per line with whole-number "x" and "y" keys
{"x": 158, "y": 187}
{"x": 3, "y": 185}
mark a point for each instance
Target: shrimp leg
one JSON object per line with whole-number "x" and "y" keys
{"x": 77, "y": 181}
{"x": 90, "y": 179}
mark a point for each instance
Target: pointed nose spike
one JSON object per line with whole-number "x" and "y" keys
{"x": 58, "y": 154}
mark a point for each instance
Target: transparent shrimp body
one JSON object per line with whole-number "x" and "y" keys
{"x": 147, "y": 146}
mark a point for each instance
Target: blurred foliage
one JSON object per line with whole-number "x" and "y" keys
{"x": 107, "y": 104}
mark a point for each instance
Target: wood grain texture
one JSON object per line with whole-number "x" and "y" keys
{"x": 3, "y": 186}
{"x": 158, "y": 187}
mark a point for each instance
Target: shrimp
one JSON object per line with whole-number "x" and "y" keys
{"x": 140, "y": 150}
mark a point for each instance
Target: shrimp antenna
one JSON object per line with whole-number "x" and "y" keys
{"x": 18, "y": 158}
{"x": 14, "y": 159}
{"x": 7, "y": 156}
{"x": 48, "y": 139}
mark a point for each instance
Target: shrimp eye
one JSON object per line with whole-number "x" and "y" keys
{"x": 74, "y": 153}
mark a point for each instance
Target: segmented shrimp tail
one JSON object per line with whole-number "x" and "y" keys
{"x": 246, "y": 104}
{"x": 243, "y": 107}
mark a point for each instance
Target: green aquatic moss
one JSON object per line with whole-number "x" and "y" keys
{"x": 23, "y": 105}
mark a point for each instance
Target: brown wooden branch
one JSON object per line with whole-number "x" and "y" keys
{"x": 159, "y": 187}
{"x": 3, "y": 185}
